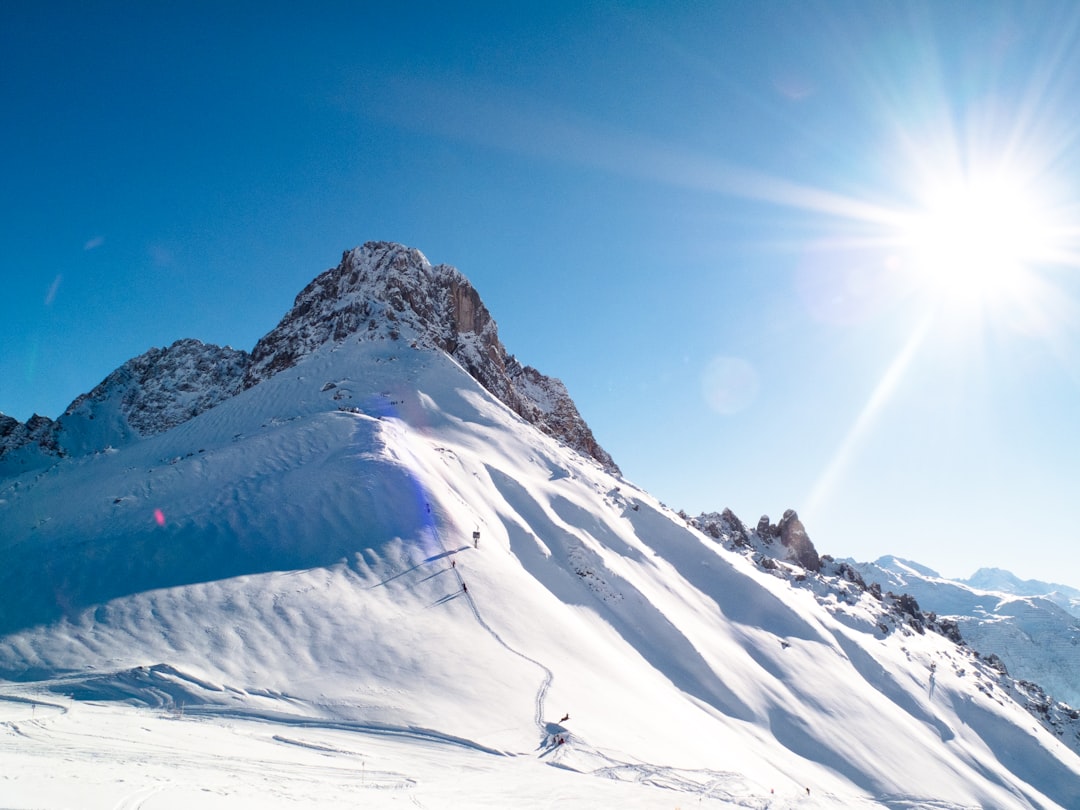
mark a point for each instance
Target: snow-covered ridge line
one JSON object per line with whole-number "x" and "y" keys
{"x": 379, "y": 291}
{"x": 382, "y": 290}
{"x": 1026, "y": 660}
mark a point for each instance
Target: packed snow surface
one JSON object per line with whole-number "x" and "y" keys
{"x": 365, "y": 581}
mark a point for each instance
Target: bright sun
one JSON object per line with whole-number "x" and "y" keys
{"x": 973, "y": 242}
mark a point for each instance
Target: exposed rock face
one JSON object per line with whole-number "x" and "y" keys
{"x": 387, "y": 291}
{"x": 379, "y": 291}
{"x": 726, "y": 525}
{"x": 795, "y": 546}
{"x": 37, "y": 429}
{"x": 766, "y": 530}
{"x": 795, "y": 539}
{"x": 164, "y": 387}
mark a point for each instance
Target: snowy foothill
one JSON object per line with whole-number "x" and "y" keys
{"x": 365, "y": 580}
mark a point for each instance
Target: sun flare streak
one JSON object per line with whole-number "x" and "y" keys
{"x": 881, "y": 394}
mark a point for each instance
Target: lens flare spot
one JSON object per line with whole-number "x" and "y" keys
{"x": 844, "y": 285}
{"x": 159, "y": 517}
{"x": 729, "y": 384}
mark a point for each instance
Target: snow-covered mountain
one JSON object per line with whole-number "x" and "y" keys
{"x": 996, "y": 579}
{"x": 379, "y": 291}
{"x": 1024, "y": 623}
{"x": 145, "y": 396}
{"x": 383, "y": 290}
{"x": 382, "y": 562}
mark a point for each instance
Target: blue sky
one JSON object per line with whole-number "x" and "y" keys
{"x": 808, "y": 255}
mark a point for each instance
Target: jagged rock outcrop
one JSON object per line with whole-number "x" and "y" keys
{"x": 36, "y": 430}
{"x": 383, "y": 290}
{"x": 147, "y": 395}
{"x": 379, "y": 291}
{"x": 725, "y": 525}
{"x": 795, "y": 545}
{"x": 162, "y": 388}
{"x": 794, "y": 538}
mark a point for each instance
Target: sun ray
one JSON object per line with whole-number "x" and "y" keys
{"x": 881, "y": 394}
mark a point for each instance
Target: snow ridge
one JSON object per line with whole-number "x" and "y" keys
{"x": 1022, "y": 646}
{"x": 385, "y": 291}
{"x": 147, "y": 395}
{"x": 379, "y": 291}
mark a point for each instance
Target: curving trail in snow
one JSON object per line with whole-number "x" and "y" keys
{"x": 545, "y": 685}
{"x": 285, "y": 599}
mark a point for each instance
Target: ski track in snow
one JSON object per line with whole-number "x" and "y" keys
{"x": 136, "y": 799}
{"x": 680, "y": 621}
{"x": 541, "y": 692}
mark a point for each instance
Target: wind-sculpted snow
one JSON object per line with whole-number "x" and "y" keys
{"x": 369, "y": 564}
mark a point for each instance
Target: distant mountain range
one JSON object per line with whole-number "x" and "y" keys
{"x": 997, "y": 579}
{"x": 378, "y": 521}
{"x": 1033, "y": 627}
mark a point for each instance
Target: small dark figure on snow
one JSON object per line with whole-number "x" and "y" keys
{"x": 562, "y": 740}
{"x": 464, "y": 588}
{"x": 565, "y": 717}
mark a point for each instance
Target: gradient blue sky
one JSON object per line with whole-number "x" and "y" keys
{"x": 698, "y": 215}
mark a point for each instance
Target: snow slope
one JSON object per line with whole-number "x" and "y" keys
{"x": 263, "y": 602}
{"x": 1032, "y": 633}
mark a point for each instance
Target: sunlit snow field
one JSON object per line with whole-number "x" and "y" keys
{"x": 266, "y": 607}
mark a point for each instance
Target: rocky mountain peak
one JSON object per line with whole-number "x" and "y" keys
{"x": 386, "y": 291}
{"x": 379, "y": 291}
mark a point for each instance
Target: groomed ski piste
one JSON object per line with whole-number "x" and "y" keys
{"x": 365, "y": 582}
